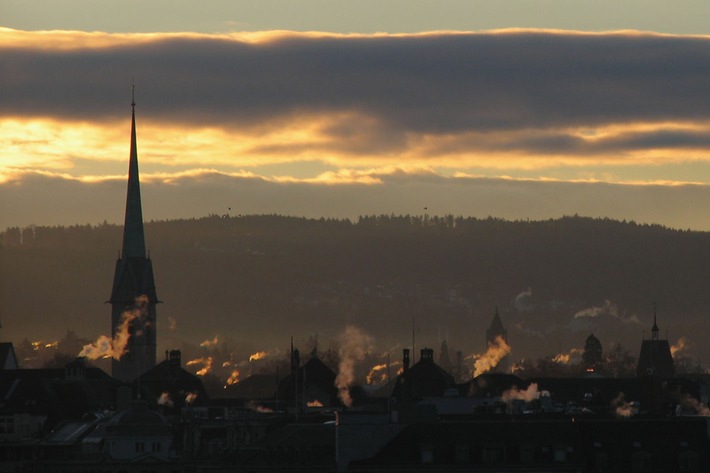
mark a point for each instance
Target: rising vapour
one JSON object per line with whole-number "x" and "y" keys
{"x": 608, "y": 308}
{"x": 528, "y": 395}
{"x": 210, "y": 343}
{"x": 354, "y": 345}
{"x": 564, "y": 358}
{"x": 206, "y": 363}
{"x": 258, "y": 356}
{"x": 165, "y": 399}
{"x": 697, "y": 407}
{"x": 105, "y": 347}
{"x": 191, "y": 397}
{"x": 377, "y": 374}
{"x": 622, "y": 408}
{"x": 496, "y": 351}
{"x": 233, "y": 378}
{"x": 681, "y": 345}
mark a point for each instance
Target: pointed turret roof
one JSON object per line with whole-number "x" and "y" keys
{"x": 654, "y": 329}
{"x": 133, "y": 236}
{"x": 496, "y": 324}
{"x": 134, "y": 272}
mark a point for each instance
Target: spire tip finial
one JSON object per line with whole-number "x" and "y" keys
{"x": 133, "y": 94}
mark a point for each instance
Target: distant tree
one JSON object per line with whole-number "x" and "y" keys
{"x": 71, "y": 344}
{"x": 620, "y": 363}
{"x": 25, "y": 353}
{"x": 685, "y": 365}
{"x": 60, "y": 360}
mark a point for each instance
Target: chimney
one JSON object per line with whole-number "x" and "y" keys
{"x": 175, "y": 357}
{"x": 405, "y": 359}
{"x": 427, "y": 355}
{"x": 75, "y": 369}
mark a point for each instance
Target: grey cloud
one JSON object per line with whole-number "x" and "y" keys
{"x": 439, "y": 83}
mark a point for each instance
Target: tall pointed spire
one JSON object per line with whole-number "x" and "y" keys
{"x": 654, "y": 330}
{"x": 133, "y": 284}
{"x": 495, "y": 330}
{"x": 133, "y": 236}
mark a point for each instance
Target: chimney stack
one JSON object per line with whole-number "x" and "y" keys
{"x": 405, "y": 359}
{"x": 175, "y": 357}
{"x": 426, "y": 354}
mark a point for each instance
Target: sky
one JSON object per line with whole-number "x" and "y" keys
{"x": 519, "y": 109}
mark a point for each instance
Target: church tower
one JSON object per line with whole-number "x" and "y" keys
{"x": 655, "y": 358}
{"x": 133, "y": 297}
{"x": 496, "y": 330}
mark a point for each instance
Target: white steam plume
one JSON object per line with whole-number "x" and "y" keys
{"x": 206, "y": 363}
{"x": 698, "y": 407}
{"x": 528, "y": 395}
{"x": 608, "y": 308}
{"x": 105, "y": 347}
{"x": 622, "y": 408}
{"x": 680, "y": 346}
{"x": 210, "y": 343}
{"x": 564, "y": 358}
{"x": 165, "y": 400}
{"x": 497, "y": 350}
{"x": 354, "y": 345}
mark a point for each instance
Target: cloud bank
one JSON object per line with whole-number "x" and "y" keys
{"x": 511, "y": 123}
{"x": 574, "y": 96}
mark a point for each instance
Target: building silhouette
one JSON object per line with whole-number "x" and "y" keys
{"x": 133, "y": 298}
{"x": 592, "y": 357}
{"x": 496, "y": 330}
{"x": 655, "y": 358}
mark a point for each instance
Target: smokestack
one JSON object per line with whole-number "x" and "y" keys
{"x": 405, "y": 359}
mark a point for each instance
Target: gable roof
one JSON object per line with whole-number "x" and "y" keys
{"x": 8, "y": 359}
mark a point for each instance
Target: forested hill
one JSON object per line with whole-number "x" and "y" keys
{"x": 257, "y": 280}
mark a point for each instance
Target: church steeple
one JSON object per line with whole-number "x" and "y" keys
{"x": 133, "y": 236}
{"x": 495, "y": 330}
{"x": 133, "y": 297}
{"x": 654, "y": 330}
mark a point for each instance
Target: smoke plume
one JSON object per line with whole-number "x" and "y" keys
{"x": 564, "y": 358}
{"x": 608, "y": 308}
{"x": 496, "y": 351}
{"x": 190, "y": 398}
{"x": 105, "y": 347}
{"x": 206, "y": 363}
{"x": 528, "y": 395}
{"x": 680, "y": 346}
{"x": 259, "y": 408}
{"x": 210, "y": 343}
{"x": 354, "y": 345}
{"x": 258, "y": 356}
{"x": 696, "y": 406}
{"x": 377, "y": 374}
{"x": 622, "y": 408}
{"x": 523, "y": 301}
{"x": 165, "y": 400}
{"x": 233, "y": 378}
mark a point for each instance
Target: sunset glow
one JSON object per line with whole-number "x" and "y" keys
{"x": 302, "y": 115}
